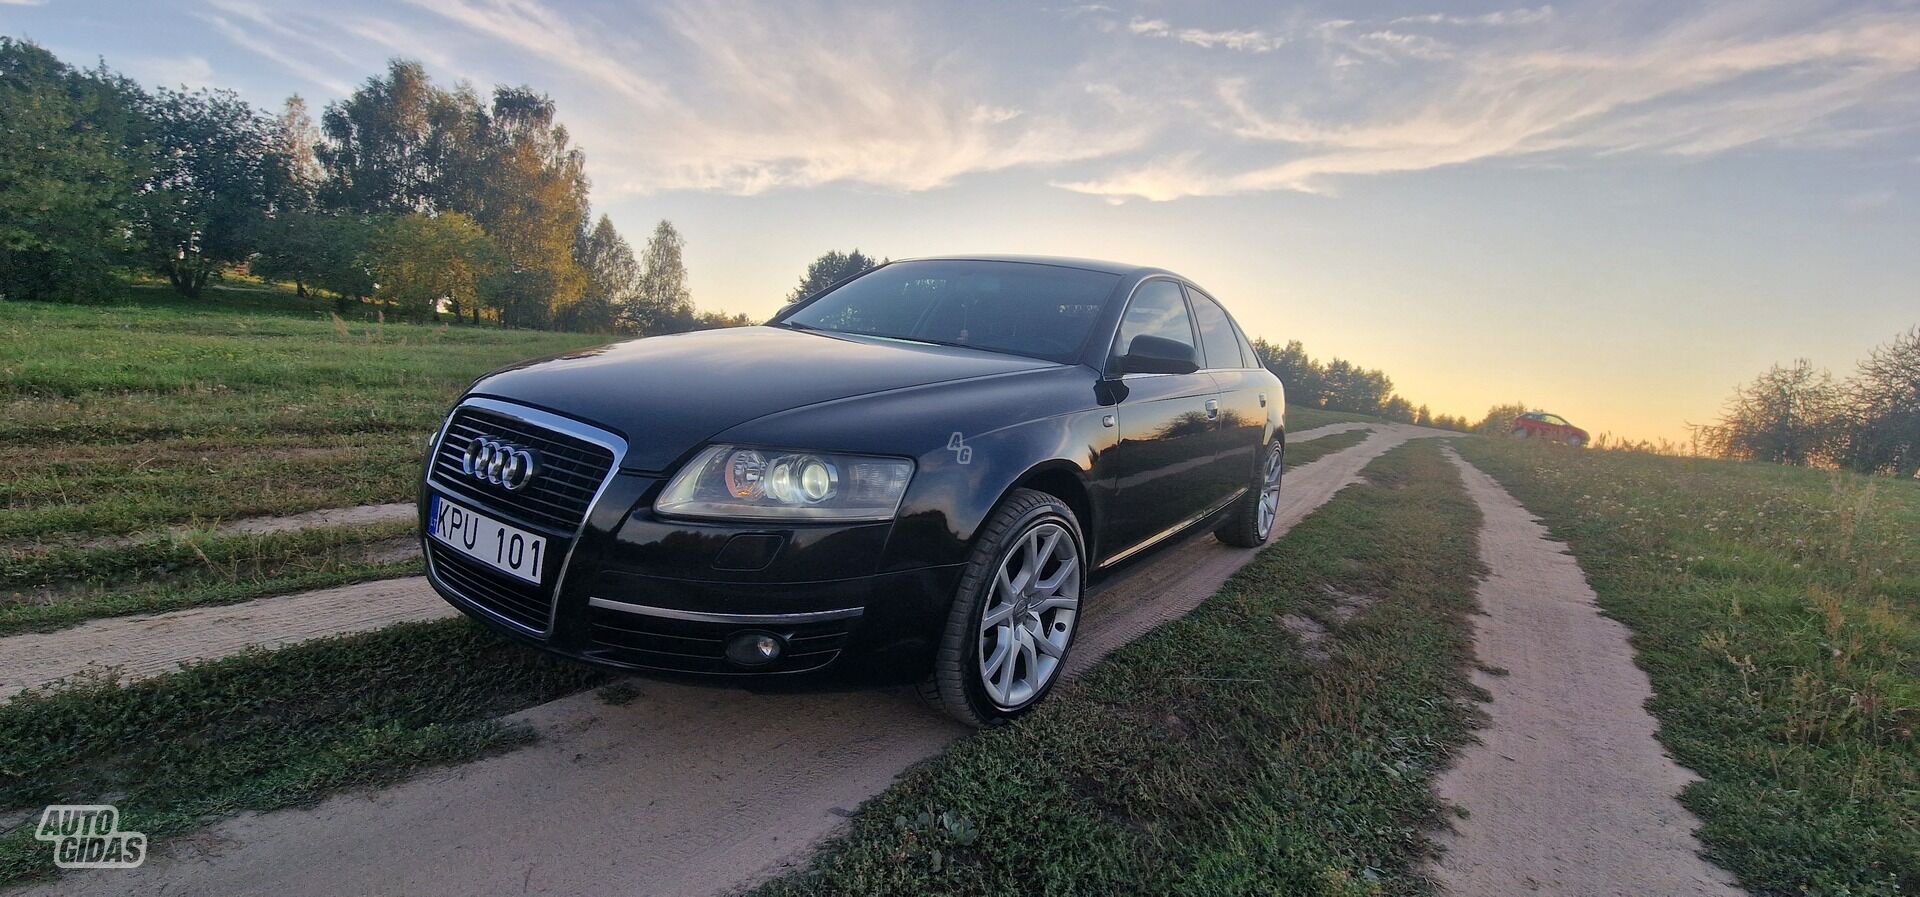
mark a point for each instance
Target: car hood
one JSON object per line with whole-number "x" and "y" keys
{"x": 667, "y": 394}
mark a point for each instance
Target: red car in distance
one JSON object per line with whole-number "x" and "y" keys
{"x": 1541, "y": 425}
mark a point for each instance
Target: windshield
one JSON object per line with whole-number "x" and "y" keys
{"x": 1041, "y": 311}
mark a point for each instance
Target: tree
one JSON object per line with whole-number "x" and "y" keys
{"x": 1303, "y": 377}
{"x": 715, "y": 320}
{"x": 611, "y": 273}
{"x": 420, "y": 260}
{"x": 378, "y": 150}
{"x": 661, "y": 302}
{"x": 1500, "y": 418}
{"x": 296, "y": 170}
{"x": 70, "y": 167}
{"x": 321, "y": 249}
{"x": 1788, "y": 415}
{"x": 1883, "y": 409}
{"x": 1396, "y": 408}
{"x": 212, "y": 181}
{"x": 1423, "y": 416}
{"x": 829, "y": 269}
{"x": 1350, "y": 387}
{"x": 531, "y": 201}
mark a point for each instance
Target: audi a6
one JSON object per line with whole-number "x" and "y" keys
{"x": 924, "y": 468}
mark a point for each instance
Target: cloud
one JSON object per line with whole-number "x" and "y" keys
{"x": 270, "y": 36}
{"x": 1868, "y": 200}
{"x": 741, "y": 99}
{"x": 1698, "y": 87}
{"x": 23, "y": 2}
{"x": 172, "y": 71}
{"x": 1500, "y": 18}
{"x": 1246, "y": 41}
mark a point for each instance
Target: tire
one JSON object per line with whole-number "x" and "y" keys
{"x": 964, "y": 683}
{"x": 1250, "y": 523}
{"x": 1576, "y": 442}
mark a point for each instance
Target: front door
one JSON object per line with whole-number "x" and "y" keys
{"x": 1160, "y": 467}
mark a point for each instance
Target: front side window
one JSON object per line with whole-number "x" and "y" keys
{"x": 1040, "y": 311}
{"x": 1216, "y": 333}
{"x": 1158, "y": 309}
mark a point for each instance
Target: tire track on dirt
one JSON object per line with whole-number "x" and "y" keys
{"x": 686, "y": 790}
{"x": 1567, "y": 791}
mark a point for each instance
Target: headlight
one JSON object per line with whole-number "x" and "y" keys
{"x": 735, "y": 482}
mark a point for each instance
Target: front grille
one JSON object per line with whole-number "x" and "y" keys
{"x": 696, "y": 647}
{"x": 517, "y": 600}
{"x": 568, "y": 470}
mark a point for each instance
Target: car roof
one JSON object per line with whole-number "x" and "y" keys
{"x": 1121, "y": 268}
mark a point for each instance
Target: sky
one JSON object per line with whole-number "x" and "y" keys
{"x": 1613, "y": 211}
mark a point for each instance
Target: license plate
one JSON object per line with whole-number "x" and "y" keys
{"x": 508, "y": 549}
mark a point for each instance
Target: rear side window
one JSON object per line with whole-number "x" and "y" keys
{"x": 1216, "y": 333}
{"x": 1159, "y": 310}
{"x": 1247, "y": 354}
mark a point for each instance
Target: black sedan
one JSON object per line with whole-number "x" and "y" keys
{"x": 924, "y": 467}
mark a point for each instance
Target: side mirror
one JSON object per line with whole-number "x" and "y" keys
{"x": 1158, "y": 355}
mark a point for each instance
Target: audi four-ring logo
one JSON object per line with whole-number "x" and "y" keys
{"x": 487, "y": 458}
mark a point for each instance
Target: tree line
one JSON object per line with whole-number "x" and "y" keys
{"x": 1801, "y": 415}
{"x": 1341, "y": 385}
{"x": 425, "y": 199}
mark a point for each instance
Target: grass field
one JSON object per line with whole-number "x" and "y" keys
{"x": 1778, "y": 613}
{"x": 121, "y": 419}
{"x": 162, "y": 412}
{"x": 1215, "y": 755}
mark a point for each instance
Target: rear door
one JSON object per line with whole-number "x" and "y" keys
{"x": 1161, "y": 468}
{"x": 1240, "y": 414}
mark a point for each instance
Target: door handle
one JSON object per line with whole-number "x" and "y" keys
{"x": 1263, "y": 400}
{"x": 1213, "y": 409}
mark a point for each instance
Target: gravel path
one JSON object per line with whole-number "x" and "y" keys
{"x": 685, "y": 791}
{"x": 1567, "y": 792}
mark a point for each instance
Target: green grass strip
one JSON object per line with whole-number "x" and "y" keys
{"x": 1777, "y": 612}
{"x": 1315, "y": 449}
{"x": 266, "y": 730}
{"x": 1211, "y": 756}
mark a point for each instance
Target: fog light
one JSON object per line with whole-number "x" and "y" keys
{"x": 752, "y": 649}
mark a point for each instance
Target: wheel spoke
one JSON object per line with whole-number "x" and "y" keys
{"x": 1058, "y": 602}
{"x": 1000, "y": 652}
{"x": 996, "y": 615}
{"x": 1032, "y": 657}
{"x": 1047, "y": 647}
{"x": 1053, "y": 583}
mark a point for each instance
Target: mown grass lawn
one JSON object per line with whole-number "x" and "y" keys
{"x": 1777, "y": 612}
{"x": 1215, "y": 756}
{"x": 124, "y": 418}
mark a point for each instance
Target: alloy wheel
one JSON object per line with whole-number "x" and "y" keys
{"x": 1270, "y": 492}
{"x": 1027, "y": 621}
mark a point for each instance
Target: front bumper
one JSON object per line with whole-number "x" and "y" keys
{"x": 636, "y": 592}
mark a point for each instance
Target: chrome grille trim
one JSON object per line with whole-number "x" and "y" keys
{"x": 545, "y": 420}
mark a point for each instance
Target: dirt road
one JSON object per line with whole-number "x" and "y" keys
{"x": 684, "y": 791}
{"x": 1567, "y": 792}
